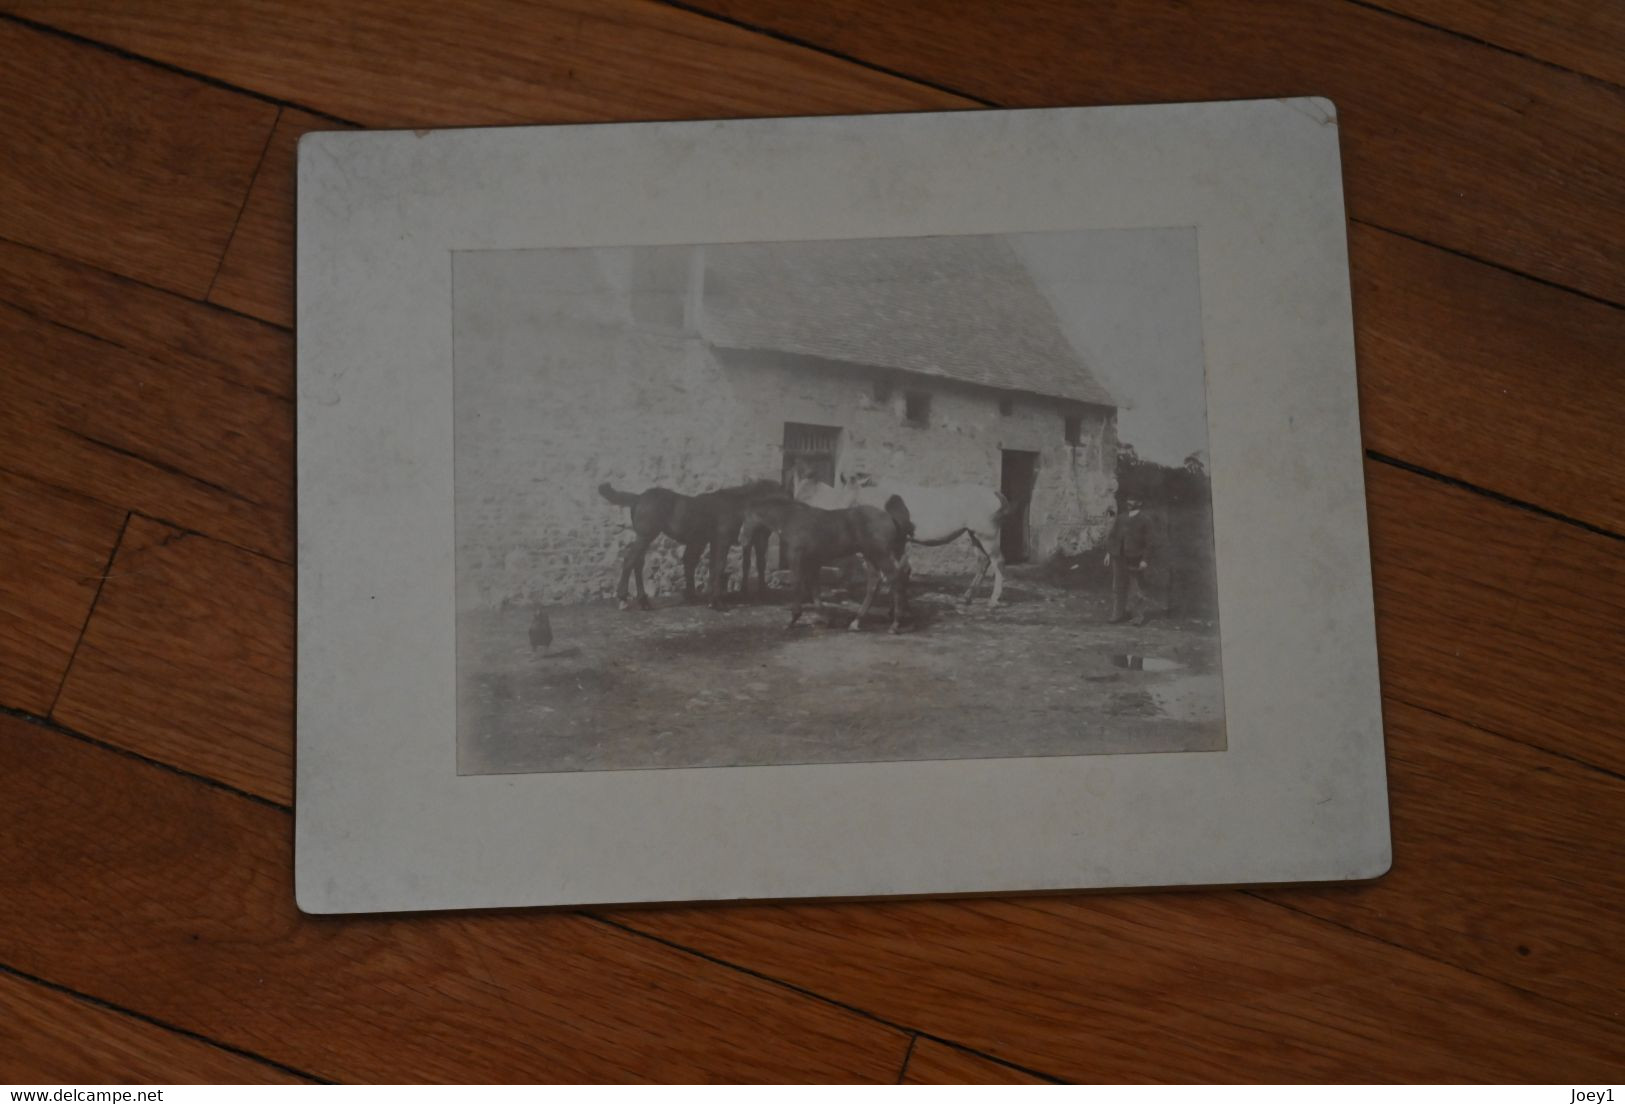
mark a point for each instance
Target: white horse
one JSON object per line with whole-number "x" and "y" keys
{"x": 939, "y": 514}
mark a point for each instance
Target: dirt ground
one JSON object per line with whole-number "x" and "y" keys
{"x": 685, "y": 686}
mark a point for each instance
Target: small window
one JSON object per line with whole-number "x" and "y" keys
{"x": 1074, "y": 429}
{"x": 811, "y": 442}
{"x": 1007, "y": 406}
{"x": 916, "y": 408}
{"x": 882, "y": 391}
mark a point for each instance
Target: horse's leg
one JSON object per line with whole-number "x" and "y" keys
{"x": 637, "y": 576}
{"x": 632, "y": 563}
{"x": 997, "y": 556}
{"x": 905, "y": 570}
{"x": 691, "y": 560}
{"x": 628, "y": 557}
{"x": 798, "y": 581}
{"x": 762, "y": 536}
{"x": 720, "y": 547}
{"x": 872, "y": 584}
{"x": 899, "y": 596}
{"x": 815, "y": 573}
{"x": 981, "y": 570}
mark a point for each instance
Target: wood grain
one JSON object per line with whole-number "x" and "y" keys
{"x": 1450, "y": 351}
{"x": 1498, "y": 617}
{"x": 1490, "y": 377}
{"x": 54, "y": 546}
{"x": 1505, "y": 863}
{"x": 157, "y": 893}
{"x": 141, "y": 320}
{"x": 1504, "y": 868}
{"x": 189, "y": 660}
{"x": 129, "y": 167}
{"x": 189, "y": 657}
{"x": 256, "y": 276}
{"x": 1502, "y": 632}
{"x": 1481, "y": 151}
{"x": 421, "y": 64}
{"x": 933, "y": 1063}
{"x": 1587, "y": 36}
{"x": 1170, "y": 987}
{"x": 175, "y": 438}
{"x": 51, "y": 1038}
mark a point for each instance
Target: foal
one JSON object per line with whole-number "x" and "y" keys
{"x": 812, "y": 537}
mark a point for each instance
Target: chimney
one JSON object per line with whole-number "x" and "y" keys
{"x": 694, "y": 304}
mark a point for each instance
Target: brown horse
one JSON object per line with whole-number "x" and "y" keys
{"x": 812, "y": 537}
{"x": 696, "y": 522}
{"x": 939, "y": 514}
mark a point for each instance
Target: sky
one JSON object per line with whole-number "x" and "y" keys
{"x": 1130, "y": 301}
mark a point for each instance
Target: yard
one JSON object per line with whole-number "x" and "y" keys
{"x": 684, "y": 686}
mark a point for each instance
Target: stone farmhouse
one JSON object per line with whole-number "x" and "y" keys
{"x": 927, "y": 360}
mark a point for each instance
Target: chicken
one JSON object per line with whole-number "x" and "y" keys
{"x": 541, "y": 631}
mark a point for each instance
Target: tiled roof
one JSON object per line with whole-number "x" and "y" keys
{"x": 963, "y": 308}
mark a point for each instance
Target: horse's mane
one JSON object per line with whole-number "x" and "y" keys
{"x": 756, "y": 488}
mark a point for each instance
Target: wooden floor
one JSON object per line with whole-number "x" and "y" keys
{"x": 147, "y": 924}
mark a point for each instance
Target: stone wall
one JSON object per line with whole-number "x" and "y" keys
{"x": 562, "y": 382}
{"x": 960, "y": 442}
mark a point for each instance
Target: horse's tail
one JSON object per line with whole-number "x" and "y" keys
{"x": 619, "y": 498}
{"x": 898, "y": 510}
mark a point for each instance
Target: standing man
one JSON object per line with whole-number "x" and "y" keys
{"x": 1129, "y": 551}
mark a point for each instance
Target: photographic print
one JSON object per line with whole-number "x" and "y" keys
{"x": 840, "y": 506}
{"x": 726, "y": 505}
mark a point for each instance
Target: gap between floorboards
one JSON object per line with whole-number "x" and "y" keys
{"x": 142, "y": 1017}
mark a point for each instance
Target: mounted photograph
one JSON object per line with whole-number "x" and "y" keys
{"x": 773, "y": 503}
{"x": 840, "y": 506}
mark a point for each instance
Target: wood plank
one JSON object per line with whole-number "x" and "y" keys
{"x": 163, "y": 895}
{"x": 129, "y": 167}
{"x": 1462, "y": 364}
{"x": 188, "y": 660}
{"x": 1443, "y": 139}
{"x": 1587, "y": 36}
{"x": 48, "y": 1037}
{"x": 155, "y": 324}
{"x": 257, "y": 274}
{"x": 173, "y": 437}
{"x": 1478, "y": 618}
{"x": 1452, "y": 579}
{"x": 163, "y": 671}
{"x": 1176, "y": 987}
{"x": 421, "y": 64}
{"x": 1489, "y": 377}
{"x": 1505, "y": 863}
{"x": 934, "y": 1063}
{"x": 1504, "y": 867}
{"x": 1499, "y": 617}
{"x": 54, "y": 546}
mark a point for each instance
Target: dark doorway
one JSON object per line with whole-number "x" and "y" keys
{"x": 1017, "y": 474}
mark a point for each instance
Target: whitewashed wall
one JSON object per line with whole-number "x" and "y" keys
{"x": 559, "y": 387}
